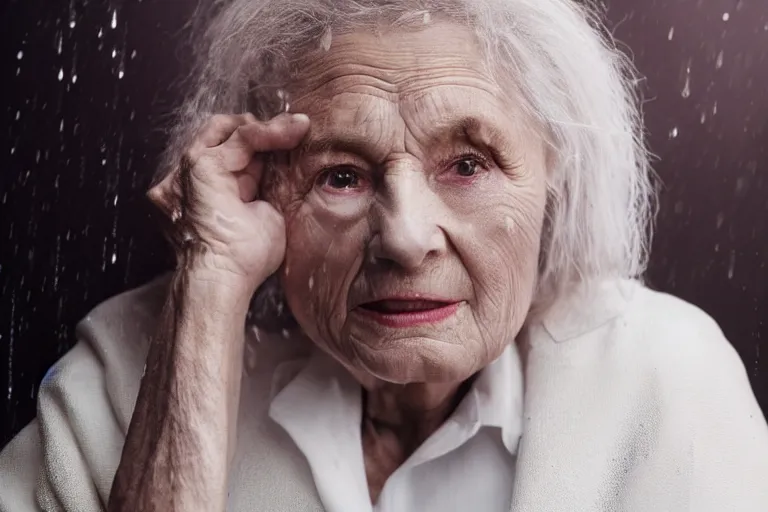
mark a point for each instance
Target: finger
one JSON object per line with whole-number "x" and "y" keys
{"x": 233, "y": 155}
{"x": 281, "y": 133}
{"x": 219, "y": 128}
{"x": 250, "y": 179}
{"x": 247, "y": 185}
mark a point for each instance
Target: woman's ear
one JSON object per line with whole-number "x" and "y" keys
{"x": 269, "y": 310}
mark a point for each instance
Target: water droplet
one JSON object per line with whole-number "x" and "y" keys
{"x": 703, "y": 117}
{"x": 325, "y": 41}
{"x": 251, "y": 357}
{"x": 741, "y": 185}
{"x": 103, "y": 161}
{"x": 71, "y": 23}
{"x": 719, "y": 62}
{"x": 61, "y": 126}
{"x": 101, "y": 33}
{"x": 726, "y": 16}
{"x": 58, "y": 47}
{"x": 18, "y": 115}
{"x": 686, "y": 92}
{"x": 20, "y": 55}
{"x": 61, "y": 75}
{"x": 114, "y": 19}
{"x": 671, "y": 33}
{"x": 311, "y": 282}
{"x": 714, "y": 109}
{"x": 114, "y": 53}
{"x": 720, "y": 220}
{"x": 115, "y": 201}
{"x": 133, "y": 54}
{"x": 114, "y": 257}
{"x": 673, "y": 133}
{"x": 732, "y": 264}
{"x": 120, "y": 74}
{"x": 74, "y": 79}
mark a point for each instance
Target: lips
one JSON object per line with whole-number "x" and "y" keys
{"x": 403, "y": 306}
{"x": 407, "y": 313}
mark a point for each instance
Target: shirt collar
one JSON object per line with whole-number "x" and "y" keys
{"x": 324, "y": 393}
{"x": 587, "y": 308}
{"x": 496, "y": 398}
{"x": 320, "y": 408}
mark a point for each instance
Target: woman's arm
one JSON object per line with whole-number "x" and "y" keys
{"x": 179, "y": 445}
{"x": 182, "y": 432}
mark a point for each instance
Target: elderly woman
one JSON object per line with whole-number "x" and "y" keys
{"x": 454, "y": 198}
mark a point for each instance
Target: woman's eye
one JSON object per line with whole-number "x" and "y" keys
{"x": 340, "y": 179}
{"x": 466, "y": 167}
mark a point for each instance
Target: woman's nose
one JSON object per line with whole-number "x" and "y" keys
{"x": 408, "y": 231}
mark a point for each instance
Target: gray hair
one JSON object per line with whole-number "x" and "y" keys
{"x": 574, "y": 81}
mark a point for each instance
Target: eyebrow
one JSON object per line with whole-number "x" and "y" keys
{"x": 344, "y": 142}
{"x": 466, "y": 129}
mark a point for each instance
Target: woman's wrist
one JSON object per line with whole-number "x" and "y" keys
{"x": 217, "y": 277}
{"x": 220, "y": 287}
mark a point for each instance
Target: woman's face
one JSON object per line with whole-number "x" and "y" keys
{"x": 413, "y": 209}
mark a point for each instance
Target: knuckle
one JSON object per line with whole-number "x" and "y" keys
{"x": 154, "y": 194}
{"x": 218, "y": 120}
{"x": 159, "y": 198}
{"x": 190, "y": 158}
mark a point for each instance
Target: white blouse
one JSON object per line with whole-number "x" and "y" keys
{"x": 467, "y": 464}
{"x": 634, "y": 402}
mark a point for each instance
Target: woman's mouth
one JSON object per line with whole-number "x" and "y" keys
{"x": 407, "y": 313}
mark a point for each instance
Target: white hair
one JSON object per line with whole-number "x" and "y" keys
{"x": 574, "y": 81}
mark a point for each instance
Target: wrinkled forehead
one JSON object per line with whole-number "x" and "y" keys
{"x": 435, "y": 77}
{"x": 393, "y": 63}
{"x": 397, "y": 56}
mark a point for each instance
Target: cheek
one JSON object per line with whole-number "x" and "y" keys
{"x": 322, "y": 258}
{"x": 500, "y": 249}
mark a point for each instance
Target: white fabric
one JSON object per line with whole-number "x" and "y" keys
{"x": 633, "y": 402}
{"x": 467, "y": 463}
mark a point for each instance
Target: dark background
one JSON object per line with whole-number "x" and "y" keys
{"x": 88, "y": 83}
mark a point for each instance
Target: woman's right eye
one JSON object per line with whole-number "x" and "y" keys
{"x": 341, "y": 178}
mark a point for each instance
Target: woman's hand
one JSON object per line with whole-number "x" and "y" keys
{"x": 221, "y": 229}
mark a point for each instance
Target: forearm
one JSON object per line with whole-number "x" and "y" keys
{"x": 176, "y": 454}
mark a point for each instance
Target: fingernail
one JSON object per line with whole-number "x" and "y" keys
{"x": 299, "y": 118}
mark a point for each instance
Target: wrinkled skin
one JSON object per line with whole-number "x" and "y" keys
{"x": 419, "y": 175}
{"x": 411, "y": 222}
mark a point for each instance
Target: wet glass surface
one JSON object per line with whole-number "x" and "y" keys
{"x": 89, "y": 84}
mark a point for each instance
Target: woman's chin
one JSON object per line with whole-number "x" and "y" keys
{"x": 410, "y": 360}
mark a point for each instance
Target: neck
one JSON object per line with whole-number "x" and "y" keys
{"x": 397, "y": 419}
{"x": 410, "y": 412}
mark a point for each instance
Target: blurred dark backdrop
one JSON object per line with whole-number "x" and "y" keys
{"x": 88, "y": 82}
